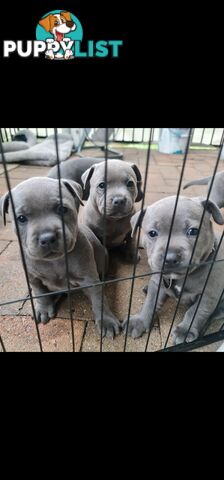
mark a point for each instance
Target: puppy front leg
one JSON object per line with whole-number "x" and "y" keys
{"x": 181, "y": 333}
{"x": 49, "y": 52}
{"x": 111, "y": 325}
{"x": 44, "y": 306}
{"x": 68, "y": 54}
{"x": 141, "y": 323}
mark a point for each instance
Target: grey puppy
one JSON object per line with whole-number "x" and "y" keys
{"x": 217, "y": 192}
{"x": 123, "y": 189}
{"x": 73, "y": 169}
{"x": 156, "y": 221}
{"x": 39, "y": 217}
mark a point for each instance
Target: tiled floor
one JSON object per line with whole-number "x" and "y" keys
{"x": 16, "y": 326}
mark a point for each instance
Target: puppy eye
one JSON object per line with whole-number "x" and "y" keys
{"x": 130, "y": 184}
{"x": 22, "y": 219}
{"x": 153, "y": 233}
{"x": 56, "y": 23}
{"x": 193, "y": 232}
{"x": 61, "y": 209}
{"x": 102, "y": 185}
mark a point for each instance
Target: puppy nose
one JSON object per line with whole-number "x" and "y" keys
{"x": 119, "y": 201}
{"x": 46, "y": 239}
{"x": 69, "y": 23}
{"x": 172, "y": 259}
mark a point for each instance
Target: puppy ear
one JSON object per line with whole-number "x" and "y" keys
{"x": 66, "y": 15}
{"x": 46, "y": 23}
{"x": 4, "y": 205}
{"x": 74, "y": 188}
{"x": 87, "y": 175}
{"x": 214, "y": 210}
{"x": 139, "y": 182}
{"x": 136, "y": 221}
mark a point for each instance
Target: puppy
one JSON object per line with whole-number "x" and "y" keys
{"x": 217, "y": 192}
{"x": 39, "y": 216}
{"x": 73, "y": 169}
{"x": 58, "y": 25}
{"x": 123, "y": 189}
{"x": 156, "y": 223}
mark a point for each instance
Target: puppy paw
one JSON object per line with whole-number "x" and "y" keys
{"x": 136, "y": 326}
{"x": 44, "y": 313}
{"x": 68, "y": 54}
{"x": 180, "y": 335}
{"x": 110, "y": 328}
{"x": 50, "y": 54}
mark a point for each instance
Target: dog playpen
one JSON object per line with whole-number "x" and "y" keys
{"x": 197, "y": 137}
{"x": 200, "y": 136}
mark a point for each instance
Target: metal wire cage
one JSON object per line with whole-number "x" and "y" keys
{"x": 200, "y": 136}
{"x": 204, "y": 339}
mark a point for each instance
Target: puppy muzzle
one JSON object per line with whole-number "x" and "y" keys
{"x": 49, "y": 245}
{"x": 117, "y": 207}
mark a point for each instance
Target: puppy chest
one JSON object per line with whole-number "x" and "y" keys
{"x": 115, "y": 240}
{"x": 116, "y": 234}
{"x": 55, "y": 279}
{"x": 173, "y": 289}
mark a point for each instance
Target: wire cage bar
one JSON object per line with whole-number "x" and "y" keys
{"x": 211, "y": 137}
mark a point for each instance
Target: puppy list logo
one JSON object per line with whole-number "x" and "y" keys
{"x": 59, "y": 35}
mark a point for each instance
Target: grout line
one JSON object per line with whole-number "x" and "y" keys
{"x": 9, "y": 242}
{"x": 20, "y": 308}
{"x": 9, "y": 168}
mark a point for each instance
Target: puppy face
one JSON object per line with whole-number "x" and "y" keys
{"x": 121, "y": 189}
{"x": 156, "y": 226}
{"x": 39, "y": 216}
{"x": 58, "y": 24}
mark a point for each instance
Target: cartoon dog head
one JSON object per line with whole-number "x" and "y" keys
{"x": 58, "y": 24}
